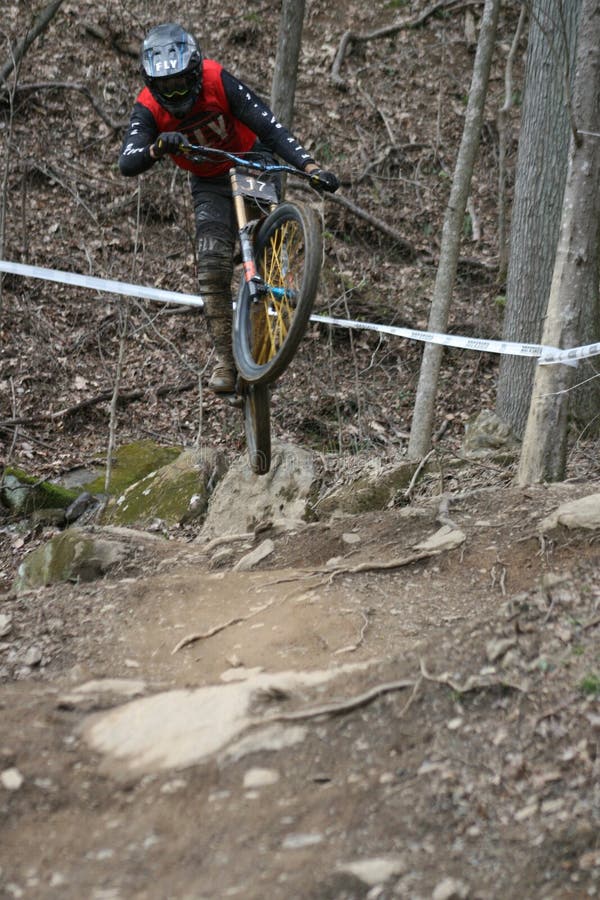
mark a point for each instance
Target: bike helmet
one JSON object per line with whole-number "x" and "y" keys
{"x": 172, "y": 67}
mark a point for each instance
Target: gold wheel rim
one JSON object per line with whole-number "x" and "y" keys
{"x": 273, "y": 315}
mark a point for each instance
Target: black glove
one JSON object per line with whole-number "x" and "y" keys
{"x": 169, "y": 142}
{"x": 324, "y": 181}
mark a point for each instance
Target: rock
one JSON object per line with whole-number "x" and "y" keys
{"x": 271, "y": 738}
{"x": 175, "y": 494}
{"x": 101, "y": 692}
{"x": 70, "y": 556}
{"x": 450, "y": 889}
{"x": 446, "y": 538}
{"x": 22, "y": 493}
{"x": 221, "y": 558}
{"x": 282, "y": 496}
{"x": 33, "y": 657}
{"x": 173, "y": 786}
{"x": 366, "y": 492}
{"x": 13, "y": 494}
{"x": 257, "y": 777}
{"x": 11, "y": 779}
{"x": 180, "y": 727}
{"x": 48, "y": 517}
{"x": 5, "y": 624}
{"x": 582, "y": 513}
{"x": 131, "y": 462}
{"x": 80, "y": 505}
{"x": 264, "y": 549}
{"x": 124, "y": 687}
{"x": 375, "y": 870}
{"x": 299, "y": 841}
{"x": 496, "y": 648}
{"x": 486, "y": 434}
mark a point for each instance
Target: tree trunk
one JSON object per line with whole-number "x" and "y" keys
{"x": 574, "y": 287}
{"x": 286, "y": 61}
{"x": 422, "y": 424}
{"x": 540, "y": 181}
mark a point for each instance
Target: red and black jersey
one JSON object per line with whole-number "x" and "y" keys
{"x": 227, "y": 115}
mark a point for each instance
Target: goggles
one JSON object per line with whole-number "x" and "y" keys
{"x": 175, "y": 86}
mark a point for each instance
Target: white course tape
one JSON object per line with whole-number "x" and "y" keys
{"x": 506, "y": 348}
{"x": 100, "y": 284}
{"x": 569, "y": 357}
{"x": 546, "y": 355}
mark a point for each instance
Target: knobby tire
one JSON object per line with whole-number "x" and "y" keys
{"x": 288, "y": 252}
{"x": 257, "y": 423}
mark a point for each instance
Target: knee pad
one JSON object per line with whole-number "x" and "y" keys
{"x": 215, "y": 261}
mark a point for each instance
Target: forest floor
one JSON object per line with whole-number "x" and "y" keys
{"x": 426, "y": 729}
{"x": 460, "y": 756}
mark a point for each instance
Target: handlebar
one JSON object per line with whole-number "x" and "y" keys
{"x": 200, "y": 151}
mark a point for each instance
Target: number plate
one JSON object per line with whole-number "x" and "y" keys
{"x": 249, "y": 186}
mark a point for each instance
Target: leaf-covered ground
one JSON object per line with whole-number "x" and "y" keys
{"x": 494, "y": 787}
{"x": 391, "y": 134}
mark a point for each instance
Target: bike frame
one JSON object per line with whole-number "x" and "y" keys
{"x": 246, "y": 186}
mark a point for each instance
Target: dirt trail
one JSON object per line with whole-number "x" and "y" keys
{"x": 481, "y": 788}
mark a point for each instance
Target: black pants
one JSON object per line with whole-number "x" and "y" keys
{"x": 216, "y": 233}
{"x": 213, "y": 206}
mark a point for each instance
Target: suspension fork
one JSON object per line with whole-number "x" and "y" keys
{"x": 255, "y": 283}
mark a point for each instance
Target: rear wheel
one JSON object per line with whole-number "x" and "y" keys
{"x": 257, "y": 422}
{"x": 288, "y": 252}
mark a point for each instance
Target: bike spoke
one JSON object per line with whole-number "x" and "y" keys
{"x": 280, "y": 261}
{"x": 289, "y": 253}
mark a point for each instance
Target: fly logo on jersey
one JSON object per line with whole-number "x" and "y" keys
{"x": 211, "y": 130}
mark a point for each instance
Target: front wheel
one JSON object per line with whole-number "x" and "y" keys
{"x": 268, "y": 329}
{"x": 257, "y": 423}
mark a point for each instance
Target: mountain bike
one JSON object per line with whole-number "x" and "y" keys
{"x": 281, "y": 250}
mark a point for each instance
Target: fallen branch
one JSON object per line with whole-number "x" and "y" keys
{"x": 125, "y": 397}
{"x": 341, "y": 706}
{"x": 203, "y": 635}
{"x": 228, "y": 539}
{"x": 424, "y": 256}
{"x": 351, "y": 570}
{"x": 352, "y": 647}
{"x": 351, "y": 37}
{"x": 382, "y": 566}
{"x": 259, "y": 529}
{"x": 112, "y": 40}
{"x": 382, "y": 226}
{"x": 424, "y": 460}
{"x": 40, "y": 25}
{"x": 473, "y": 682}
{"x": 115, "y": 124}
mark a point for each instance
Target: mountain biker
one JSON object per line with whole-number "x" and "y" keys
{"x": 190, "y": 99}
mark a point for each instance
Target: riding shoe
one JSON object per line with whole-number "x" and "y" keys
{"x": 223, "y": 378}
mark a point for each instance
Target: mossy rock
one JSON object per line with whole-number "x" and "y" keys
{"x": 23, "y": 493}
{"x": 131, "y": 463}
{"x": 176, "y": 493}
{"x": 69, "y": 556}
{"x": 368, "y": 492}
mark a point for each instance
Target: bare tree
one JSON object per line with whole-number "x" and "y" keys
{"x": 286, "y": 61}
{"x": 503, "y": 123}
{"x": 540, "y": 181}
{"x": 422, "y": 424}
{"x": 574, "y": 288}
